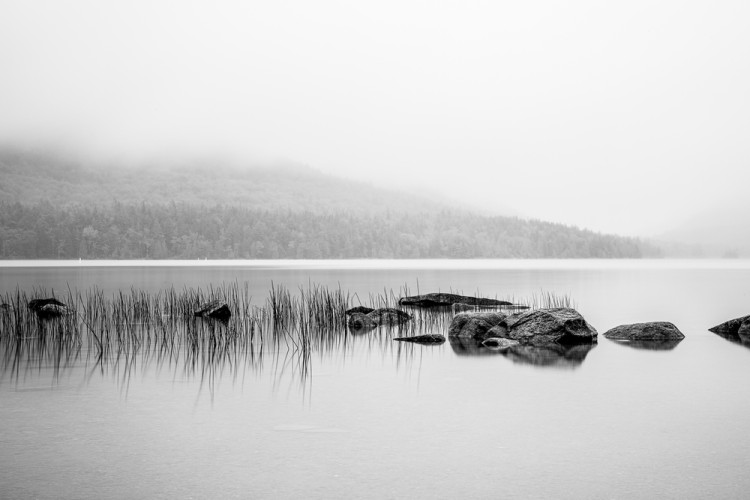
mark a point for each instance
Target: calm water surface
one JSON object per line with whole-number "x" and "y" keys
{"x": 374, "y": 418}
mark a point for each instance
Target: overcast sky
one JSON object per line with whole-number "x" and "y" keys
{"x": 617, "y": 116}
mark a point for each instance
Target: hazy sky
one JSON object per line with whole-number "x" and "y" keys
{"x": 618, "y": 116}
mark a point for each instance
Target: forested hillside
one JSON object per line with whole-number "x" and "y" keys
{"x": 64, "y": 210}
{"x": 188, "y": 232}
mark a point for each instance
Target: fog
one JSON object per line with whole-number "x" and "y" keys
{"x": 623, "y": 117}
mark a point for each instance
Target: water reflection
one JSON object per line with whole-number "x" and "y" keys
{"x": 551, "y": 355}
{"x": 650, "y": 345}
{"x": 735, "y": 338}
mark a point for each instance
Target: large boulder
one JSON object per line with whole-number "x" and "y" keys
{"x": 561, "y": 325}
{"x": 448, "y": 299}
{"x": 475, "y": 325}
{"x": 733, "y": 327}
{"x": 215, "y": 309}
{"x": 652, "y": 331}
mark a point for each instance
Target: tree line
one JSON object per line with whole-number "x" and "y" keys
{"x": 186, "y": 231}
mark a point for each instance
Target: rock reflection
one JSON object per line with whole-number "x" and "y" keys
{"x": 650, "y": 345}
{"x": 548, "y": 355}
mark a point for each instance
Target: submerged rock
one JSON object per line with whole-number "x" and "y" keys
{"x": 359, "y": 309}
{"x": 432, "y": 338}
{"x": 214, "y": 309}
{"x": 448, "y": 299}
{"x": 475, "y": 325}
{"x": 651, "y": 331}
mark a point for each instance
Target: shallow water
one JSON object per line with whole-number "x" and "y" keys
{"x": 372, "y": 418}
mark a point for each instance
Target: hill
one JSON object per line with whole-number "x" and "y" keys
{"x": 51, "y": 208}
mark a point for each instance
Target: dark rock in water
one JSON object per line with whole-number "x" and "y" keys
{"x": 214, "y": 309}
{"x": 389, "y": 316}
{"x": 359, "y": 321}
{"x": 433, "y": 338}
{"x": 499, "y": 344}
{"x": 359, "y": 309}
{"x": 457, "y": 308}
{"x": 474, "y": 325}
{"x": 732, "y": 327}
{"x": 48, "y": 308}
{"x": 6, "y": 307}
{"x": 447, "y": 299}
{"x": 735, "y": 330}
{"x": 546, "y": 326}
{"x": 655, "y": 330}
{"x": 37, "y": 304}
{"x": 376, "y": 317}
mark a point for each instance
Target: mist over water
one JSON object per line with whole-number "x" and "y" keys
{"x": 620, "y": 118}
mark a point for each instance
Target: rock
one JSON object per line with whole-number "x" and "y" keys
{"x": 732, "y": 327}
{"x": 546, "y": 326}
{"x": 447, "y": 299}
{"x": 359, "y": 309}
{"x": 359, "y": 321}
{"x": 48, "y": 308}
{"x": 499, "y": 344}
{"x": 37, "y": 304}
{"x": 457, "y": 308}
{"x": 432, "y": 338}
{"x": 214, "y": 309}
{"x": 389, "y": 316}
{"x": 474, "y": 325}
{"x": 655, "y": 330}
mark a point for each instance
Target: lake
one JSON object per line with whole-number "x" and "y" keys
{"x": 371, "y": 418}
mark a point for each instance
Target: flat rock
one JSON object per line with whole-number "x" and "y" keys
{"x": 432, "y": 338}
{"x": 214, "y": 309}
{"x": 474, "y": 325}
{"x": 655, "y": 330}
{"x": 448, "y": 299}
